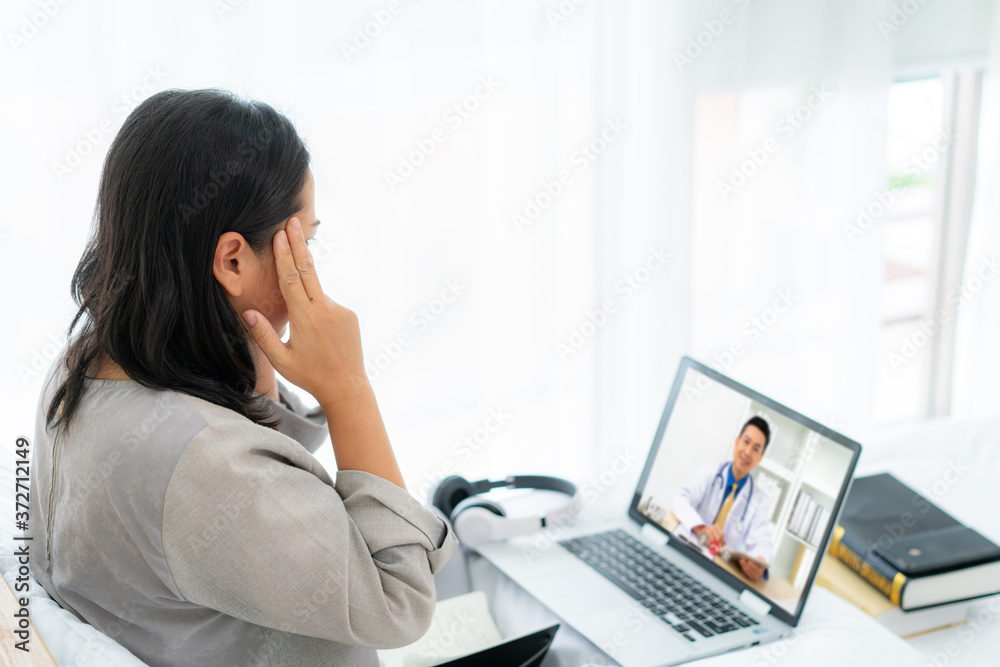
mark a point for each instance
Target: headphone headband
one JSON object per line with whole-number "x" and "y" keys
{"x": 478, "y": 520}
{"x": 540, "y": 482}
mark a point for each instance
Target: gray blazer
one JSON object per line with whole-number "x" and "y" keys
{"x": 193, "y": 536}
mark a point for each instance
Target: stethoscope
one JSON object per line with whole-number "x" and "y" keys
{"x": 722, "y": 487}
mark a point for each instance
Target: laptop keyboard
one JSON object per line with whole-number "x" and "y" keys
{"x": 675, "y": 597}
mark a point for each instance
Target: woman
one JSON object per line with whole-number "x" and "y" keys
{"x": 175, "y": 500}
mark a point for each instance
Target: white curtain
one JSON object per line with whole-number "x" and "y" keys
{"x": 529, "y": 265}
{"x": 439, "y": 133}
{"x": 765, "y": 284}
{"x": 977, "y": 353}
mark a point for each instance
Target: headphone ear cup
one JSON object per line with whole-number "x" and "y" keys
{"x": 476, "y": 521}
{"x": 485, "y": 503}
{"x": 449, "y": 493}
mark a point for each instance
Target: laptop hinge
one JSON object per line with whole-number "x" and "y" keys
{"x": 754, "y": 602}
{"x": 653, "y": 535}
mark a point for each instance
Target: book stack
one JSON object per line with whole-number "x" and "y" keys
{"x": 836, "y": 576}
{"x": 808, "y": 519}
{"x": 916, "y": 556}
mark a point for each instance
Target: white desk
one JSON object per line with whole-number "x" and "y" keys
{"x": 832, "y": 632}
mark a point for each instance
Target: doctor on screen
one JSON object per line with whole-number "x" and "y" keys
{"x": 723, "y": 502}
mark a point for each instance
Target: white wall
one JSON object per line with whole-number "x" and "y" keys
{"x": 923, "y": 44}
{"x": 392, "y": 251}
{"x": 702, "y": 429}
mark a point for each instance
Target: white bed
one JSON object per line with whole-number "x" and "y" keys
{"x": 960, "y": 459}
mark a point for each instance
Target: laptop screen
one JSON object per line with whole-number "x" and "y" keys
{"x": 749, "y": 488}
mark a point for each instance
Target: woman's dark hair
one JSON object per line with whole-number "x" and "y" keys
{"x": 186, "y": 167}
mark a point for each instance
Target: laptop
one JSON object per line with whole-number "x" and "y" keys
{"x": 724, "y": 535}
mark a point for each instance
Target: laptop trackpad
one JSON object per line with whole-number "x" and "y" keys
{"x": 569, "y": 589}
{"x": 617, "y": 627}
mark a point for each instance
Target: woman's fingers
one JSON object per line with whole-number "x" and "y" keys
{"x": 289, "y": 278}
{"x": 323, "y": 354}
{"x": 266, "y": 338}
{"x": 303, "y": 259}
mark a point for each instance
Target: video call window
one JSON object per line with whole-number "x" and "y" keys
{"x": 768, "y": 528}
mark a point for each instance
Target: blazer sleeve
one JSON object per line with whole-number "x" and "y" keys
{"x": 261, "y": 533}
{"x": 308, "y": 427}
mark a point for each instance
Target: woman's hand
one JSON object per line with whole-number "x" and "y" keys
{"x": 323, "y": 356}
{"x": 323, "y": 353}
{"x": 267, "y": 383}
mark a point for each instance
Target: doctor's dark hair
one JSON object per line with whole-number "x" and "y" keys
{"x": 185, "y": 167}
{"x": 763, "y": 426}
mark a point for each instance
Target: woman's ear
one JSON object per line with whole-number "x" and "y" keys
{"x": 232, "y": 262}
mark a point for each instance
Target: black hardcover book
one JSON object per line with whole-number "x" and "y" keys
{"x": 911, "y": 550}
{"x": 526, "y": 651}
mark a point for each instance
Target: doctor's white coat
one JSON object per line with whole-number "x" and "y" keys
{"x": 698, "y": 501}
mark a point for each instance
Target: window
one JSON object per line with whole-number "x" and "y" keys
{"x": 906, "y": 210}
{"x": 926, "y": 210}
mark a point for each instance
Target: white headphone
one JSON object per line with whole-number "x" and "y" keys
{"x": 477, "y": 520}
